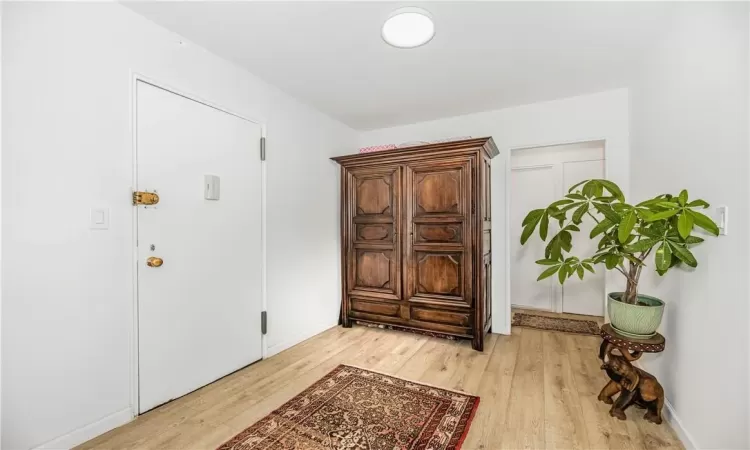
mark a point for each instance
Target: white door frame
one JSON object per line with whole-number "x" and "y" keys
{"x": 508, "y": 174}
{"x": 134, "y": 79}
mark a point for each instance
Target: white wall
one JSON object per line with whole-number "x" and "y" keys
{"x": 689, "y": 130}
{"x": 68, "y": 294}
{"x": 584, "y": 118}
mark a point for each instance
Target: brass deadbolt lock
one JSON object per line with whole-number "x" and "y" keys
{"x": 145, "y": 198}
{"x": 153, "y": 261}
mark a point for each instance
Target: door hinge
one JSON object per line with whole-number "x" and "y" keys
{"x": 145, "y": 198}
{"x": 263, "y": 322}
{"x": 262, "y": 148}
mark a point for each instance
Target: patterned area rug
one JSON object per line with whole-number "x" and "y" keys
{"x": 356, "y": 409}
{"x": 540, "y": 322}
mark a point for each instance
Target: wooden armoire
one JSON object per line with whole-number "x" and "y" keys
{"x": 415, "y": 230}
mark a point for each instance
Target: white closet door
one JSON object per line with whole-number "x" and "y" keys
{"x": 199, "y": 312}
{"x": 584, "y": 296}
{"x": 540, "y": 176}
{"x": 532, "y": 187}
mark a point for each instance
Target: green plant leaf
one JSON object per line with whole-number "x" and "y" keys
{"x": 644, "y": 213}
{"x": 544, "y": 226}
{"x": 608, "y": 212}
{"x": 576, "y": 196}
{"x": 573, "y": 188}
{"x": 641, "y": 246}
{"x": 556, "y": 213}
{"x": 578, "y": 214}
{"x": 589, "y": 189}
{"x": 690, "y": 240}
{"x": 611, "y": 261}
{"x": 651, "y": 232}
{"x": 548, "y": 273}
{"x": 562, "y": 274}
{"x": 547, "y": 262}
{"x": 564, "y": 201}
{"x": 651, "y": 202}
{"x": 704, "y": 222}
{"x": 588, "y": 267}
{"x": 526, "y": 233}
{"x": 553, "y": 249}
{"x": 572, "y": 227}
{"x": 570, "y": 206}
{"x": 626, "y": 226}
{"x": 613, "y": 189}
{"x": 663, "y": 215}
{"x": 685, "y": 225}
{"x": 579, "y": 270}
{"x": 566, "y": 240}
{"x": 683, "y": 197}
{"x": 698, "y": 202}
{"x": 663, "y": 256}
{"x": 600, "y": 228}
{"x": 532, "y": 217}
{"x": 668, "y": 205}
{"x": 684, "y": 255}
{"x": 620, "y": 208}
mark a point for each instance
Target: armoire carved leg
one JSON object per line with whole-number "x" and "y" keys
{"x": 478, "y": 343}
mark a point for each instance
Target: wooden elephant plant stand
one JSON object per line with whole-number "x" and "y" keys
{"x": 635, "y": 386}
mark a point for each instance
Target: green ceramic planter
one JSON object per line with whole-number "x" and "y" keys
{"x": 639, "y": 321}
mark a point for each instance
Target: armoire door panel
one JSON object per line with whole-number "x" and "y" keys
{"x": 373, "y": 232}
{"x": 438, "y": 192}
{"x": 374, "y": 245}
{"x": 438, "y": 207}
{"x": 439, "y": 273}
{"x": 376, "y": 269}
{"x": 370, "y": 306}
{"x": 374, "y": 194}
{"x": 438, "y": 232}
{"x": 457, "y": 318}
{"x": 439, "y": 188}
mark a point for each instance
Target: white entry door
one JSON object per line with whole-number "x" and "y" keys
{"x": 199, "y": 312}
{"x": 540, "y": 176}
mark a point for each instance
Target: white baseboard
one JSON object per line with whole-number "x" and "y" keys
{"x": 278, "y": 348}
{"x": 89, "y": 431}
{"x": 671, "y": 417}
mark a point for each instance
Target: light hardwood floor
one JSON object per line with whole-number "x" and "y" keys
{"x": 538, "y": 390}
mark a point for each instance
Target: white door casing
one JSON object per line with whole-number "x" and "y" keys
{"x": 199, "y": 313}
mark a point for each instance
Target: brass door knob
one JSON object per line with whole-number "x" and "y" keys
{"x": 153, "y": 261}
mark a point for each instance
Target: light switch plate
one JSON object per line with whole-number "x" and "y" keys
{"x": 99, "y": 219}
{"x": 211, "y": 187}
{"x": 722, "y": 212}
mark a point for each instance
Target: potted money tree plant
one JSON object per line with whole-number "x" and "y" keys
{"x": 628, "y": 236}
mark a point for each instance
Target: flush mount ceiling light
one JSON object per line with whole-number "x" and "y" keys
{"x": 408, "y": 28}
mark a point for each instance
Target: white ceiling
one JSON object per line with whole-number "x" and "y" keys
{"x": 484, "y": 56}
